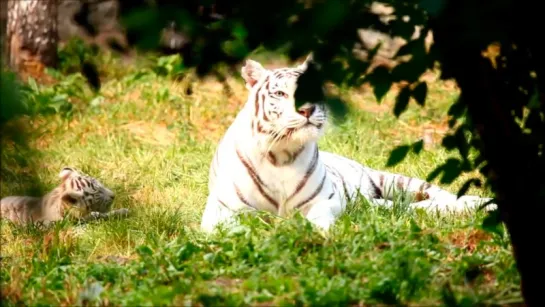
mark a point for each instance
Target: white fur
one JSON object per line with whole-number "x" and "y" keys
{"x": 344, "y": 178}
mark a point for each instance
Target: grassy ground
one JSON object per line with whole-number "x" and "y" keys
{"x": 149, "y": 141}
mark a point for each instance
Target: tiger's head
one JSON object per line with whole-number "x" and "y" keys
{"x": 82, "y": 194}
{"x": 271, "y": 101}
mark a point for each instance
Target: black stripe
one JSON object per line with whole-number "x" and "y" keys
{"x": 294, "y": 156}
{"x": 377, "y": 192}
{"x": 316, "y": 192}
{"x": 265, "y": 117}
{"x": 272, "y": 158}
{"x": 257, "y": 102}
{"x": 241, "y": 197}
{"x": 310, "y": 171}
{"x": 223, "y": 204}
{"x": 256, "y": 179}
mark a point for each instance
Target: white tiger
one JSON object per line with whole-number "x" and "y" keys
{"x": 78, "y": 196}
{"x": 269, "y": 160}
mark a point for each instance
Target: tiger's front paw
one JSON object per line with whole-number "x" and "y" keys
{"x": 321, "y": 216}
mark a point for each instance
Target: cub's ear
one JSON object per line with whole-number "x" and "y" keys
{"x": 252, "y": 71}
{"x": 71, "y": 197}
{"x": 67, "y": 172}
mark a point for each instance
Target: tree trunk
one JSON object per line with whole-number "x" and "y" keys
{"x": 31, "y": 36}
{"x": 3, "y": 22}
{"x": 511, "y": 156}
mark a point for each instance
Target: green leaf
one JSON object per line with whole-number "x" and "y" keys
{"x": 465, "y": 187}
{"x": 420, "y": 92}
{"x": 436, "y": 172}
{"x": 381, "y": 81}
{"x": 457, "y": 109}
{"x": 397, "y": 155}
{"x": 415, "y": 229}
{"x": 33, "y": 85}
{"x": 433, "y": 7}
{"x": 452, "y": 122}
{"x": 461, "y": 141}
{"x": 144, "y": 251}
{"x": 418, "y": 146}
{"x": 533, "y": 102}
{"x": 451, "y": 170}
{"x": 240, "y": 32}
{"x": 412, "y": 70}
{"x": 338, "y": 109}
{"x": 449, "y": 299}
{"x": 381, "y": 89}
{"x": 492, "y": 223}
{"x": 402, "y": 101}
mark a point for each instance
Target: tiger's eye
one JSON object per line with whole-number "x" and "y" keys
{"x": 281, "y": 94}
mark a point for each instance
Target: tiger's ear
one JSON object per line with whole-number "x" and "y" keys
{"x": 304, "y": 65}
{"x": 67, "y": 172}
{"x": 252, "y": 72}
{"x": 71, "y": 197}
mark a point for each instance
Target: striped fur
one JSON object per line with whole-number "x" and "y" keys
{"x": 269, "y": 160}
{"x": 78, "y": 196}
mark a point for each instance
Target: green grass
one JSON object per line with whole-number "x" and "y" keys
{"x": 151, "y": 143}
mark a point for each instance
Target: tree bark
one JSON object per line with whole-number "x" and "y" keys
{"x": 31, "y": 36}
{"x": 3, "y": 22}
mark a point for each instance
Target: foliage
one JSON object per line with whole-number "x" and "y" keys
{"x": 11, "y": 106}
{"x": 58, "y": 98}
{"x": 73, "y": 54}
{"x": 171, "y": 66}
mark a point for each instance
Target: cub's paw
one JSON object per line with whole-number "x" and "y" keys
{"x": 123, "y": 212}
{"x": 94, "y": 215}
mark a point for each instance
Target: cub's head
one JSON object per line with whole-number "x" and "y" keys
{"x": 271, "y": 101}
{"x": 82, "y": 194}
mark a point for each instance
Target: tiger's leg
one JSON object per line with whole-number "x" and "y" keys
{"x": 324, "y": 213}
{"x": 464, "y": 203}
{"x": 95, "y": 215}
{"x": 123, "y": 212}
{"x": 427, "y": 195}
{"x": 215, "y": 213}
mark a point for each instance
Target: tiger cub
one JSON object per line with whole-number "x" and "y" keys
{"x": 79, "y": 196}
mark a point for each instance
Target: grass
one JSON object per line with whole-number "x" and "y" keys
{"x": 144, "y": 137}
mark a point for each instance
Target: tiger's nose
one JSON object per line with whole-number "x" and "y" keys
{"x": 306, "y": 111}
